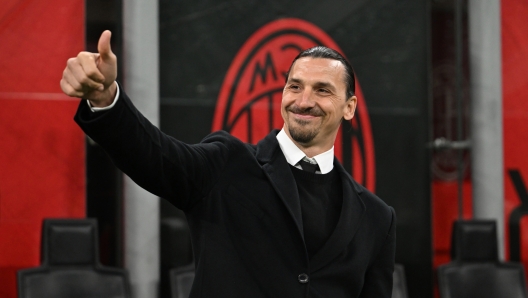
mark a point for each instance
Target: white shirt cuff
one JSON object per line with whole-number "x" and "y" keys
{"x": 99, "y": 109}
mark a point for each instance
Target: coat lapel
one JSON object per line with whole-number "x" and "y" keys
{"x": 352, "y": 211}
{"x": 277, "y": 169}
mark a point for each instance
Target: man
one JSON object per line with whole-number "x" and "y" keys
{"x": 279, "y": 219}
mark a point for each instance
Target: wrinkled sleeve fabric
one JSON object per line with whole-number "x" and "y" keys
{"x": 164, "y": 166}
{"x": 378, "y": 278}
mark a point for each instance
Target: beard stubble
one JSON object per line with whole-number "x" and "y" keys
{"x": 301, "y": 133}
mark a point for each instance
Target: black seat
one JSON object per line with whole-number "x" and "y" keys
{"x": 181, "y": 281}
{"x": 475, "y": 270}
{"x": 490, "y": 280}
{"x": 175, "y": 250}
{"x": 70, "y": 265}
{"x": 474, "y": 241}
{"x": 399, "y": 285}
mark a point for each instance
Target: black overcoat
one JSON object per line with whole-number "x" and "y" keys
{"x": 244, "y": 213}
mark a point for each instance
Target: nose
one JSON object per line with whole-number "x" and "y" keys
{"x": 305, "y": 100}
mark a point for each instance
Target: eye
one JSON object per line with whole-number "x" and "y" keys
{"x": 294, "y": 87}
{"x": 324, "y": 91}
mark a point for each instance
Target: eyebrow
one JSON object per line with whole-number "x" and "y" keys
{"x": 317, "y": 84}
{"x": 325, "y": 85}
{"x": 294, "y": 80}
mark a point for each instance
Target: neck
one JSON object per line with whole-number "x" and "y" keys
{"x": 313, "y": 148}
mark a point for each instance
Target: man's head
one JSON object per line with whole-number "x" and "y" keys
{"x": 328, "y": 53}
{"x": 318, "y": 95}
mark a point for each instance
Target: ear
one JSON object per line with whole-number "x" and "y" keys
{"x": 350, "y": 108}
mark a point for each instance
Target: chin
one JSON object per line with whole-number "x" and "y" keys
{"x": 302, "y": 135}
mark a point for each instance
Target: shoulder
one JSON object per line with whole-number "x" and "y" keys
{"x": 220, "y": 136}
{"x": 364, "y": 192}
{"x": 230, "y": 141}
{"x": 377, "y": 209}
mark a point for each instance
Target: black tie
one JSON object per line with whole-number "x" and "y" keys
{"x": 309, "y": 167}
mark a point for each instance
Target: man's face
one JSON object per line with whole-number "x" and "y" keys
{"x": 314, "y": 102}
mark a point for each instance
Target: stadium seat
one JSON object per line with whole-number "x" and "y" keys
{"x": 475, "y": 270}
{"x": 70, "y": 265}
{"x": 181, "y": 280}
{"x": 399, "y": 285}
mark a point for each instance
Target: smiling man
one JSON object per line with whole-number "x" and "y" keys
{"x": 316, "y": 99}
{"x": 278, "y": 219}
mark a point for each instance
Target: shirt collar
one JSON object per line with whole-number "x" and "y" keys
{"x": 293, "y": 154}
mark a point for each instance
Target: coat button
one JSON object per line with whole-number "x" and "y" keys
{"x": 303, "y": 278}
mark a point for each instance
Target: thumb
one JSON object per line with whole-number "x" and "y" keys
{"x": 103, "y": 47}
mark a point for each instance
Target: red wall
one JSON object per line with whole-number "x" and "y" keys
{"x": 515, "y": 106}
{"x": 41, "y": 149}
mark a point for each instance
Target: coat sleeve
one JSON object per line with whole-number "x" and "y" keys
{"x": 378, "y": 278}
{"x": 164, "y": 166}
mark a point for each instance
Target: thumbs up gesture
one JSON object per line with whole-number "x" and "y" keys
{"x": 92, "y": 75}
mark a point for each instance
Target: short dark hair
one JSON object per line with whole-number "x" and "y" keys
{"x": 327, "y": 53}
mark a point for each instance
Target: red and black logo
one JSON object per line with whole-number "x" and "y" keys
{"x": 249, "y": 103}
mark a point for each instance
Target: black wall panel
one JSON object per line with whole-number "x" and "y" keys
{"x": 387, "y": 44}
{"x": 104, "y": 200}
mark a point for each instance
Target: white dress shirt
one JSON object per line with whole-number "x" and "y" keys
{"x": 293, "y": 154}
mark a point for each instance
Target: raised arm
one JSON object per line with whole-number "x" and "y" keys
{"x": 164, "y": 166}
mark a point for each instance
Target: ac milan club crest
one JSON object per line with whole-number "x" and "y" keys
{"x": 249, "y": 103}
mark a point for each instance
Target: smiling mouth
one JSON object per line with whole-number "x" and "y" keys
{"x": 310, "y": 113}
{"x": 304, "y": 116}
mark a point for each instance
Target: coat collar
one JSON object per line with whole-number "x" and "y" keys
{"x": 277, "y": 169}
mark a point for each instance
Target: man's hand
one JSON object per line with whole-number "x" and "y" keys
{"x": 92, "y": 75}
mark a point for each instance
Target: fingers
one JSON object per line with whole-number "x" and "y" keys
{"x": 69, "y": 85}
{"x": 69, "y": 90}
{"x": 107, "y": 60}
{"x": 103, "y": 47}
{"x": 88, "y": 74}
{"x": 82, "y": 75}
